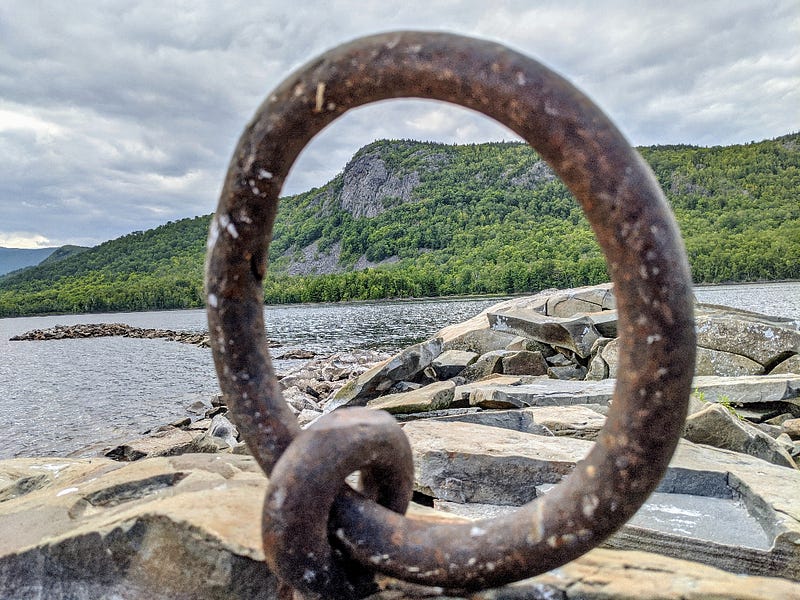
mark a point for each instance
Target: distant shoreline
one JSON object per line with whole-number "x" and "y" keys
{"x": 465, "y": 297}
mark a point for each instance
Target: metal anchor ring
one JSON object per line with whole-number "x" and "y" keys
{"x": 306, "y": 482}
{"x": 634, "y": 227}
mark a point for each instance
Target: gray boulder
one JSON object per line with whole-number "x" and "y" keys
{"x": 524, "y": 362}
{"x": 372, "y": 383}
{"x": 574, "y": 333}
{"x": 488, "y": 364}
{"x": 461, "y": 463}
{"x": 580, "y": 421}
{"x": 716, "y": 426}
{"x": 222, "y": 429}
{"x": 451, "y": 362}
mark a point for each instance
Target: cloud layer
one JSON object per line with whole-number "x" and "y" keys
{"x": 121, "y": 116}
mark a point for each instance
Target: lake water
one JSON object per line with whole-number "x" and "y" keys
{"x": 60, "y": 396}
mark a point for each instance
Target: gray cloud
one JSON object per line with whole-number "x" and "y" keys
{"x": 120, "y": 116}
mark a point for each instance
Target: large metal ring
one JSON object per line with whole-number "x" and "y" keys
{"x": 635, "y": 229}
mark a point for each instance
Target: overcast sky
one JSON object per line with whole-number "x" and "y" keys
{"x": 118, "y": 116}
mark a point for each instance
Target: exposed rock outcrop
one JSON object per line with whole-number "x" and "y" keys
{"x": 370, "y": 188}
{"x": 186, "y": 528}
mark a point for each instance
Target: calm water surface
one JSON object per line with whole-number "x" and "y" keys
{"x": 60, "y": 396}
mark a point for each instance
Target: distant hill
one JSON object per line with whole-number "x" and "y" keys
{"x": 409, "y": 218}
{"x": 63, "y": 252}
{"x": 12, "y": 259}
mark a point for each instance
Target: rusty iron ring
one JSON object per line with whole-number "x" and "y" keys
{"x": 305, "y": 483}
{"x": 633, "y": 225}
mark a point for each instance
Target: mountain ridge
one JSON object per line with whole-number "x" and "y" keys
{"x": 407, "y": 218}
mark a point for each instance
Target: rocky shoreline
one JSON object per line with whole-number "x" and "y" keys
{"x": 498, "y": 409}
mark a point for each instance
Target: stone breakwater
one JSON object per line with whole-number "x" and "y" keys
{"x": 498, "y": 409}
{"x": 93, "y": 330}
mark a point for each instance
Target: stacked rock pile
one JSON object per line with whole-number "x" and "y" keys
{"x": 93, "y": 330}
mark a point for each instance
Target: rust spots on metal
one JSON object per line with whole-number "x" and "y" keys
{"x": 647, "y": 264}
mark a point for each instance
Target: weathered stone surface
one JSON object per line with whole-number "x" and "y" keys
{"x": 299, "y": 400}
{"x": 598, "y": 368}
{"x": 725, "y": 364}
{"x": 169, "y": 442}
{"x": 470, "y": 463}
{"x": 483, "y": 340}
{"x": 186, "y": 528}
{"x": 162, "y": 528}
{"x": 224, "y": 430}
{"x": 748, "y": 389}
{"x": 619, "y": 575}
{"x": 559, "y": 360}
{"x": 574, "y": 333}
{"x": 502, "y": 393}
{"x": 791, "y": 427}
{"x": 435, "y": 396}
{"x": 574, "y": 372}
{"x": 487, "y": 364}
{"x": 605, "y": 322}
{"x": 605, "y": 360}
{"x": 546, "y": 392}
{"x": 766, "y": 340}
{"x": 716, "y": 426}
{"x": 516, "y": 420}
{"x": 451, "y": 362}
{"x": 524, "y": 362}
{"x": 790, "y": 365}
{"x": 384, "y": 375}
{"x": 580, "y": 421}
{"x": 590, "y": 299}
{"x": 465, "y": 390}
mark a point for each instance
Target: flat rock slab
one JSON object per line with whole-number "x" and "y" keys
{"x": 624, "y": 575}
{"x": 436, "y": 396}
{"x": 755, "y": 389}
{"x": 766, "y": 340}
{"x": 186, "y": 527}
{"x": 578, "y": 421}
{"x": 169, "y": 442}
{"x": 470, "y": 463}
{"x": 546, "y": 392}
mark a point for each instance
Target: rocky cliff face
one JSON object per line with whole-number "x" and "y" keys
{"x": 370, "y": 188}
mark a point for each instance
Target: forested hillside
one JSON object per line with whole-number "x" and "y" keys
{"x": 408, "y": 218}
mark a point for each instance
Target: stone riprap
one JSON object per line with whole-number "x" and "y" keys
{"x": 493, "y": 424}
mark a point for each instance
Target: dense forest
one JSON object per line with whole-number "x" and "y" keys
{"x": 409, "y": 218}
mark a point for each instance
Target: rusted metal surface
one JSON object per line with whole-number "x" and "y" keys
{"x": 634, "y": 228}
{"x": 306, "y": 482}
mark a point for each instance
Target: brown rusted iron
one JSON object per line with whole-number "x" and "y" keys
{"x": 633, "y": 225}
{"x": 305, "y": 483}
